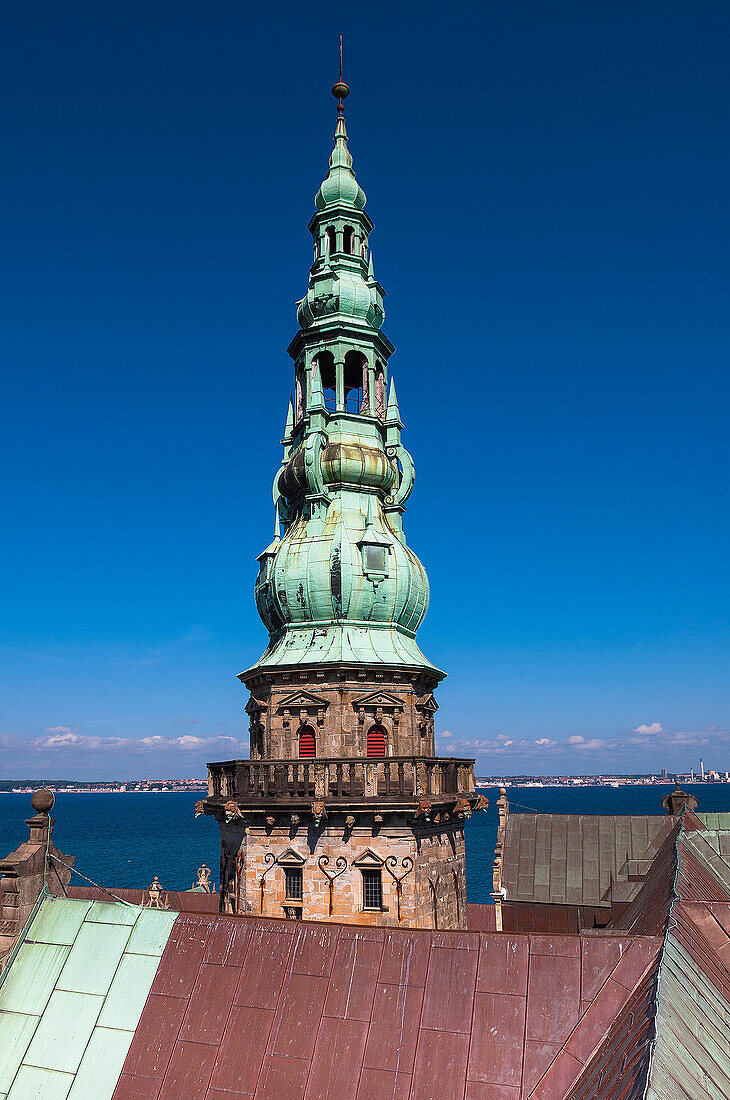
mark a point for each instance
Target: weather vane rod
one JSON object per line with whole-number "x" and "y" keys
{"x": 340, "y": 91}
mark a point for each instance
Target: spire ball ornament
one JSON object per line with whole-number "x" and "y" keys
{"x": 340, "y": 90}
{"x": 42, "y": 800}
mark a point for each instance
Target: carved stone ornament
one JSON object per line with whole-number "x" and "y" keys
{"x": 155, "y": 896}
{"x": 232, "y": 811}
{"x": 203, "y": 882}
{"x": 424, "y": 811}
{"x": 199, "y": 807}
{"x": 319, "y": 812}
{"x": 462, "y": 807}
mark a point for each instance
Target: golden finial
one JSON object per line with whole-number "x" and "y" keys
{"x": 340, "y": 90}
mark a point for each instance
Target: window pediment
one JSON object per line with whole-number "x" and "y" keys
{"x": 379, "y": 699}
{"x": 427, "y": 702}
{"x": 253, "y": 706}
{"x": 300, "y": 700}
{"x": 368, "y": 860}
{"x": 290, "y": 858}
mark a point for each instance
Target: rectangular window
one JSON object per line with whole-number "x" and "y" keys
{"x": 372, "y": 889}
{"x": 376, "y": 559}
{"x": 293, "y": 883}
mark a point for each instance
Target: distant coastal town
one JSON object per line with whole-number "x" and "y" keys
{"x": 115, "y": 786}
{"x": 662, "y": 779}
{"x": 172, "y": 786}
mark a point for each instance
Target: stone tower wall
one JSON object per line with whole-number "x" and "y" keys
{"x": 341, "y": 705}
{"x": 437, "y": 877}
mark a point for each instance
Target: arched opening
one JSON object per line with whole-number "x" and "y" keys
{"x": 434, "y": 905}
{"x": 355, "y": 368}
{"x": 348, "y": 240}
{"x": 376, "y": 741}
{"x": 379, "y": 395}
{"x": 364, "y": 250}
{"x": 331, "y": 237}
{"x": 326, "y": 363}
{"x": 307, "y": 743}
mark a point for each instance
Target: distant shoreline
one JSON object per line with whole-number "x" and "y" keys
{"x": 105, "y": 790}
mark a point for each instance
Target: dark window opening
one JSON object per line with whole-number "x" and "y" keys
{"x": 348, "y": 237}
{"x": 376, "y": 741}
{"x": 294, "y": 878}
{"x": 355, "y": 374}
{"x": 372, "y": 889}
{"x": 307, "y": 744}
{"x": 326, "y": 363}
{"x": 331, "y": 236}
{"x": 376, "y": 559}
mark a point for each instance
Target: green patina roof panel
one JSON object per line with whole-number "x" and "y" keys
{"x": 69, "y": 1005}
{"x": 691, "y": 1056}
{"x": 128, "y": 993}
{"x": 54, "y": 925}
{"x": 94, "y": 958}
{"x": 102, "y": 1063}
{"x": 32, "y": 977}
{"x": 572, "y": 859}
{"x": 64, "y": 1030}
{"x": 32, "y": 1083}
{"x": 150, "y": 932}
{"x": 715, "y": 820}
{"x": 17, "y": 1031}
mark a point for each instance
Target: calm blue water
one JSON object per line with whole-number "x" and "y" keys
{"x": 126, "y": 839}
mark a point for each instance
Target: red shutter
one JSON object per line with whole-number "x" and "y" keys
{"x": 306, "y": 743}
{"x": 376, "y": 741}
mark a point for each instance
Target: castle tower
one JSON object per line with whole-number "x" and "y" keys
{"x": 342, "y": 812}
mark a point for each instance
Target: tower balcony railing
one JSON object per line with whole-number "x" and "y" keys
{"x": 343, "y": 780}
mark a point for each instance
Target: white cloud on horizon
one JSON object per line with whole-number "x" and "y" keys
{"x": 61, "y": 739}
{"x": 655, "y": 727}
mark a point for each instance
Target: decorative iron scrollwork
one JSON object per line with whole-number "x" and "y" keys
{"x": 407, "y": 865}
{"x": 323, "y": 863}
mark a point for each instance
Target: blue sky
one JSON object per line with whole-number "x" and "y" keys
{"x": 549, "y": 187}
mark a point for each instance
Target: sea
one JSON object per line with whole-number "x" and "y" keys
{"x": 127, "y": 839}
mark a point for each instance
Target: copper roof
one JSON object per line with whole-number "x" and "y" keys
{"x": 241, "y": 1004}
{"x": 573, "y": 859}
{"x": 218, "y": 1007}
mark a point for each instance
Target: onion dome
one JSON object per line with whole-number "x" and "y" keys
{"x": 340, "y": 187}
{"x": 354, "y": 580}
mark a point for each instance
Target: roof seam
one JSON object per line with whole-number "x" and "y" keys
{"x": 671, "y": 925}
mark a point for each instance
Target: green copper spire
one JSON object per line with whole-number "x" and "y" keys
{"x": 341, "y": 586}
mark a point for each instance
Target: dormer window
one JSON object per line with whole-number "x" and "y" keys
{"x": 376, "y": 559}
{"x": 376, "y": 550}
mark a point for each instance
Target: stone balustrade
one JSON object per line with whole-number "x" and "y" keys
{"x": 344, "y": 780}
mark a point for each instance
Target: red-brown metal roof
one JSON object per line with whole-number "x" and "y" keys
{"x": 255, "y": 1007}
{"x": 184, "y": 901}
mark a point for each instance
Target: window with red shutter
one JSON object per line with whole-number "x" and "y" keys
{"x": 376, "y": 741}
{"x": 306, "y": 742}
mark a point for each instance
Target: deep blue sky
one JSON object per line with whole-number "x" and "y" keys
{"x": 549, "y": 185}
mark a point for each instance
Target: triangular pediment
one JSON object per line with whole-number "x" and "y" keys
{"x": 427, "y": 702}
{"x": 303, "y": 699}
{"x": 378, "y": 699}
{"x": 291, "y": 858}
{"x": 254, "y": 704}
{"x": 368, "y": 858}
